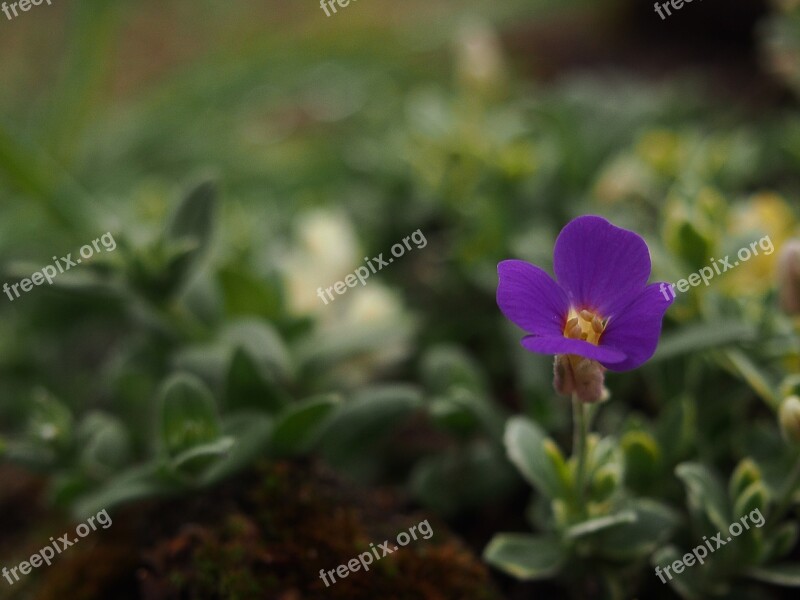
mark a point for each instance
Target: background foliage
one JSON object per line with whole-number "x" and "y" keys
{"x": 245, "y": 155}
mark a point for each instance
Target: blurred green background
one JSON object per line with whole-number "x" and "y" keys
{"x": 244, "y": 155}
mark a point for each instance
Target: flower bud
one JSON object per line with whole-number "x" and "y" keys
{"x": 579, "y": 376}
{"x": 789, "y": 277}
{"x": 563, "y": 380}
{"x": 789, "y": 417}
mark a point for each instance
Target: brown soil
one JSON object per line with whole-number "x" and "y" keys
{"x": 268, "y": 541}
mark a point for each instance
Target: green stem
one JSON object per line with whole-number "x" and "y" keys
{"x": 786, "y": 500}
{"x": 579, "y": 446}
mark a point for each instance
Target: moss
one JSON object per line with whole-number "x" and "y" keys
{"x": 267, "y": 535}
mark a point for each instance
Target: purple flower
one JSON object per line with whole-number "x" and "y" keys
{"x": 600, "y": 309}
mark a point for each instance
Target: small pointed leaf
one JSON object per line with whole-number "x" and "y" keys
{"x": 525, "y": 557}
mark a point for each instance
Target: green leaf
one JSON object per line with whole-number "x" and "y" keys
{"x": 246, "y": 294}
{"x": 462, "y": 411}
{"x": 686, "y": 584}
{"x": 642, "y": 459}
{"x": 786, "y": 575}
{"x": 202, "y": 453}
{"x": 344, "y": 342}
{"x": 252, "y": 432}
{"x": 676, "y": 429}
{"x": 705, "y": 493}
{"x": 32, "y": 455}
{"x": 525, "y": 557}
{"x": 654, "y": 524}
{"x": 692, "y": 245}
{"x": 704, "y": 336}
{"x": 452, "y": 416}
{"x": 86, "y": 282}
{"x": 755, "y": 497}
{"x": 194, "y": 216}
{"x": 142, "y": 481}
{"x": 746, "y": 473}
{"x": 561, "y": 467}
{"x": 525, "y": 446}
{"x": 174, "y": 259}
{"x": 202, "y": 298}
{"x": 602, "y": 452}
{"x": 211, "y": 361}
{"x": 300, "y": 425}
{"x": 104, "y": 442}
{"x": 188, "y": 414}
{"x": 257, "y": 338}
{"x": 158, "y": 270}
{"x": 599, "y": 524}
{"x": 444, "y": 367}
{"x": 193, "y": 221}
{"x": 367, "y": 420}
{"x": 247, "y": 387}
{"x": 65, "y": 489}
{"x": 463, "y": 478}
{"x": 262, "y": 343}
{"x": 605, "y": 482}
{"x": 756, "y": 378}
{"x": 604, "y": 467}
{"x": 782, "y": 541}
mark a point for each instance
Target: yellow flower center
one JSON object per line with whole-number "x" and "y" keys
{"x": 584, "y": 325}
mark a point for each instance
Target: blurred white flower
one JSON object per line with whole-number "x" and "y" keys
{"x": 374, "y": 304}
{"x": 327, "y": 251}
{"x": 369, "y": 321}
{"x": 479, "y": 57}
{"x": 378, "y": 314}
{"x": 328, "y": 237}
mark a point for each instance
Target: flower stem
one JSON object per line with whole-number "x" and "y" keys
{"x": 579, "y": 446}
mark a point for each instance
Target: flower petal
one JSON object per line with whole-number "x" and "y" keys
{"x": 530, "y": 298}
{"x": 636, "y": 328}
{"x": 561, "y": 345}
{"x": 599, "y": 265}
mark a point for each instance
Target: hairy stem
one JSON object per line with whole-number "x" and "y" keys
{"x": 579, "y": 446}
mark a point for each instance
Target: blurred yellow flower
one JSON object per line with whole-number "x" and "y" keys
{"x": 765, "y": 214}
